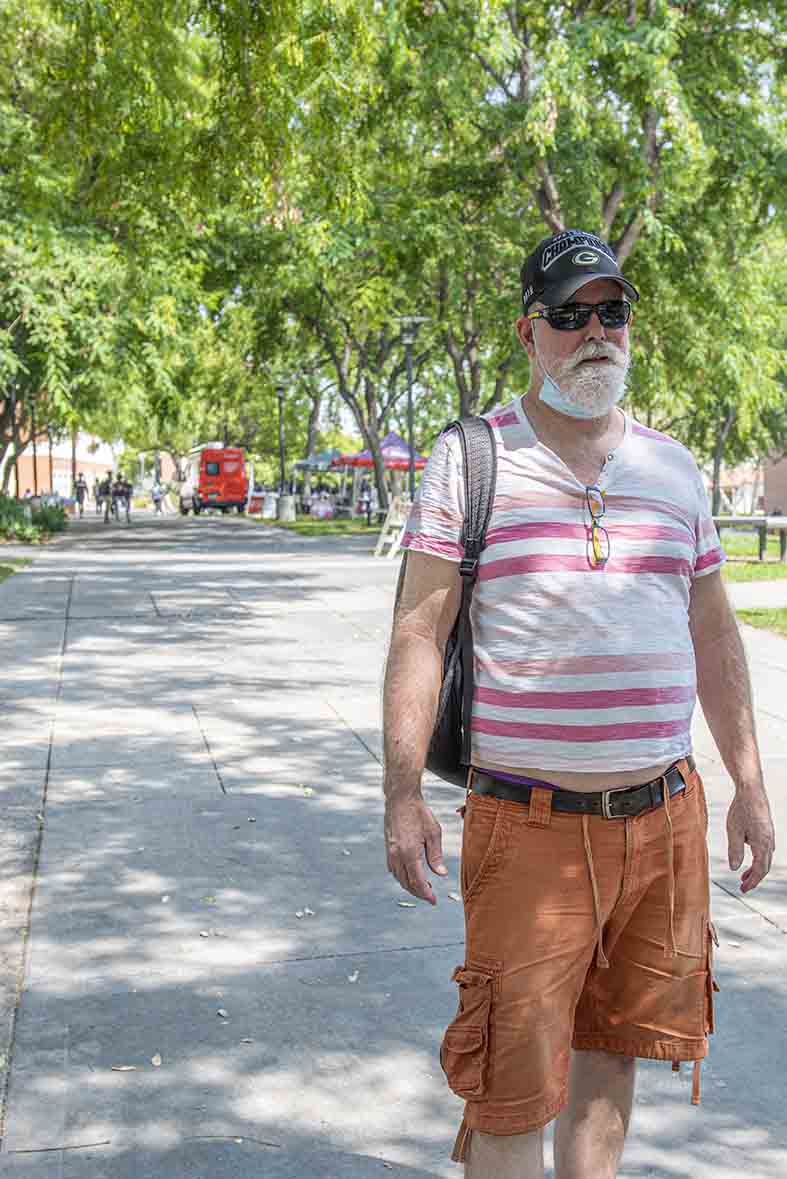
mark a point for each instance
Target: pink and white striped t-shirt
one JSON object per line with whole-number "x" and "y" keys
{"x": 578, "y": 667}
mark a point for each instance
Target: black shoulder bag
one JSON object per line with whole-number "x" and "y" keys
{"x": 449, "y": 749}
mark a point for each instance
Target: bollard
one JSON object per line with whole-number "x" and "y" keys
{"x": 286, "y": 509}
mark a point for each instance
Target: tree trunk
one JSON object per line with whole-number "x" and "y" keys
{"x": 718, "y": 458}
{"x": 35, "y": 446}
{"x": 372, "y": 439}
{"x": 314, "y": 421}
{"x": 15, "y": 434}
{"x": 6, "y": 466}
{"x": 73, "y": 459}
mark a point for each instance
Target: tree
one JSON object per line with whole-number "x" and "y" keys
{"x": 339, "y": 166}
{"x": 655, "y": 124}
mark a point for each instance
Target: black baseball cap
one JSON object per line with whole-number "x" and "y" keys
{"x": 561, "y": 264}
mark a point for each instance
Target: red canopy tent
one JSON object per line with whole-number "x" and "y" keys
{"x": 395, "y": 454}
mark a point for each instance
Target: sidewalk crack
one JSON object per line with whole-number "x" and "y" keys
{"x": 204, "y": 736}
{"x": 752, "y": 908}
{"x": 347, "y": 725}
{"x": 362, "y": 953}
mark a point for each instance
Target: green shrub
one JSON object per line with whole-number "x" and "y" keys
{"x": 15, "y": 525}
{"x": 50, "y": 518}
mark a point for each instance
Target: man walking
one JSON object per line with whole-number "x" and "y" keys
{"x": 80, "y": 491}
{"x": 128, "y": 491}
{"x": 105, "y": 495}
{"x": 598, "y": 616}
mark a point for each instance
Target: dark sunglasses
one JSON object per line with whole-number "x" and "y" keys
{"x": 569, "y": 317}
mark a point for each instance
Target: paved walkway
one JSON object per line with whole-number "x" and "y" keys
{"x": 220, "y": 978}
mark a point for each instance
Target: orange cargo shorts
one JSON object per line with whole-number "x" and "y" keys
{"x": 581, "y": 932}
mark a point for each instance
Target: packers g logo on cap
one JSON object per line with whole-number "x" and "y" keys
{"x": 585, "y": 258}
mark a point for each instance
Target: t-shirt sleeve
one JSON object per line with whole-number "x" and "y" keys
{"x": 709, "y": 556}
{"x": 435, "y": 522}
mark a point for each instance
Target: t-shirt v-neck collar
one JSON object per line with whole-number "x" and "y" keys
{"x": 605, "y": 471}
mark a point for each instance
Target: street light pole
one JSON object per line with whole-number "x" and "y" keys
{"x": 410, "y": 326}
{"x": 280, "y": 396}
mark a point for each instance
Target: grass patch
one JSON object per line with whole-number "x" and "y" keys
{"x": 340, "y": 527}
{"x": 737, "y": 542}
{"x": 11, "y": 565}
{"x": 742, "y": 549}
{"x": 775, "y": 619}
{"x": 742, "y": 570}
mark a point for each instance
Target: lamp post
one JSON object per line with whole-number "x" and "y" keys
{"x": 280, "y": 397}
{"x": 410, "y": 325}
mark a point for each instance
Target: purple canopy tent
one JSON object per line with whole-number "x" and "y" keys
{"x": 395, "y": 454}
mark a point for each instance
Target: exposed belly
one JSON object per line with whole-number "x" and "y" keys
{"x": 584, "y": 782}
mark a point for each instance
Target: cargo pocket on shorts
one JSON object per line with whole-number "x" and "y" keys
{"x": 711, "y": 985}
{"x": 464, "y": 1053}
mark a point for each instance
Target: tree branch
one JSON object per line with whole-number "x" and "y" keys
{"x": 498, "y": 78}
{"x": 651, "y": 151}
{"x": 628, "y": 239}
{"x": 549, "y": 199}
{"x": 612, "y": 203}
{"x": 502, "y": 374}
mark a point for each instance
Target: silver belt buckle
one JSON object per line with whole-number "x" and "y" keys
{"x": 606, "y": 812}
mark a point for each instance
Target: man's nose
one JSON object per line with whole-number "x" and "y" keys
{"x": 595, "y": 329}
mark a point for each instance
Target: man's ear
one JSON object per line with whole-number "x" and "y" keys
{"x": 524, "y": 329}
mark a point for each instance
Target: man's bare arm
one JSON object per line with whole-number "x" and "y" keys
{"x": 724, "y": 689}
{"x": 426, "y": 612}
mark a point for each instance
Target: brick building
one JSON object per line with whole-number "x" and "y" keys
{"x": 775, "y": 486}
{"x": 47, "y": 472}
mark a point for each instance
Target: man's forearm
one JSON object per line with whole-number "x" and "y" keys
{"x": 413, "y": 676}
{"x": 724, "y": 690}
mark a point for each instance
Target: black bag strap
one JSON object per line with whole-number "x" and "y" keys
{"x": 479, "y": 454}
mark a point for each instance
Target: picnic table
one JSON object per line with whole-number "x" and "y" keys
{"x": 761, "y": 525}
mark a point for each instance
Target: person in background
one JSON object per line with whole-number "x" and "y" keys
{"x": 125, "y": 497}
{"x": 80, "y": 493}
{"x": 104, "y": 497}
{"x": 366, "y": 501}
{"x": 157, "y": 494}
{"x": 118, "y": 495}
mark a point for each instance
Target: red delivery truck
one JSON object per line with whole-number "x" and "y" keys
{"x": 216, "y": 479}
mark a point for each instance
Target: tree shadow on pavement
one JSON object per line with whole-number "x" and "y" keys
{"x": 217, "y": 951}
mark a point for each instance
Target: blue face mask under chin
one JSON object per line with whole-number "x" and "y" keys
{"x": 553, "y": 396}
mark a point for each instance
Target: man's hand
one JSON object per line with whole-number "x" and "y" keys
{"x": 749, "y": 821}
{"x": 411, "y": 829}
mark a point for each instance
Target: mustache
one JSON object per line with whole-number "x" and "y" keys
{"x": 597, "y": 350}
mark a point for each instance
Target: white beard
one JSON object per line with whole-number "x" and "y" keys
{"x": 594, "y": 388}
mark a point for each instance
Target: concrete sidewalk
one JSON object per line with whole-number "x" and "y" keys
{"x": 220, "y": 977}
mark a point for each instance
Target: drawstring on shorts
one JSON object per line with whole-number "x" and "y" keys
{"x": 695, "y": 1079}
{"x": 671, "y": 950}
{"x": 601, "y": 958}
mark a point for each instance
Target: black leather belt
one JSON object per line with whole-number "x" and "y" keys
{"x": 612, "y": 804}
